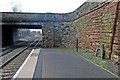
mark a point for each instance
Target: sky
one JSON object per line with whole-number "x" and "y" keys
{"x": 42, "y": 6}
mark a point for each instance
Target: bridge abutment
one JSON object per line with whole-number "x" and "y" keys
{"x": 15, "y": 35}
{"x": 7, "y": 36}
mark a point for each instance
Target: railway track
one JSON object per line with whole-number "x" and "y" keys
{"x": 12, "y": 48}
{"x": 8, "y": 47}
{"x": 10, "y": 67}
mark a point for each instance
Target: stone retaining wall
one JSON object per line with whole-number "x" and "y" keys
{"x": 97, "y": 28}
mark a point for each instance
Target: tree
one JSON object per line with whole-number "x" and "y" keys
{"x": 15, "y": 6}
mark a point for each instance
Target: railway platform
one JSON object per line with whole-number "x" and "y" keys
{"x": 49, "y": 63}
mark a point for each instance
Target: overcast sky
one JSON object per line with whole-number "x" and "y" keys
{"x": 42, "y": 6}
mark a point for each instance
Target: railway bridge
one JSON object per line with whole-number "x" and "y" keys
{"x": 93, "y": 24}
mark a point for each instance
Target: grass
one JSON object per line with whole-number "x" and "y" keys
{"x": 86, "y": 54}
{"x": 63, "y": 49}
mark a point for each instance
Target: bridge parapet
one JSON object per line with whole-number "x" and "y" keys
{"x": 50, "y": 17}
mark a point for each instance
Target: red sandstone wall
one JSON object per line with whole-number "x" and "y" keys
{"x": 96, "y": 28}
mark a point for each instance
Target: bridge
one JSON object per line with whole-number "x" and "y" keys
{"x": 93, "y": 24}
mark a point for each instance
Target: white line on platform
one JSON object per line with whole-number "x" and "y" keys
{"x": 16, "y": 74}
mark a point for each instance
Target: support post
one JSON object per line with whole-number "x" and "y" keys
{"x": 77, "y": 45}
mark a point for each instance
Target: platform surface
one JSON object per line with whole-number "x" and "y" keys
{"x": 27, "y": 71}
{"x": 59, "y": 64}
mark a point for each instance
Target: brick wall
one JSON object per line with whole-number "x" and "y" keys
{"x": 96, "y": 28}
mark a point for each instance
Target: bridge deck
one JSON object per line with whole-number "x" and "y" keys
{"x": 31, "y": 25}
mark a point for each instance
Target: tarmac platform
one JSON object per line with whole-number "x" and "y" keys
{"x": 49, "y": 63}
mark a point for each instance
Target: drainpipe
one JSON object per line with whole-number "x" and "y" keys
{"x": 113, "y": 31}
